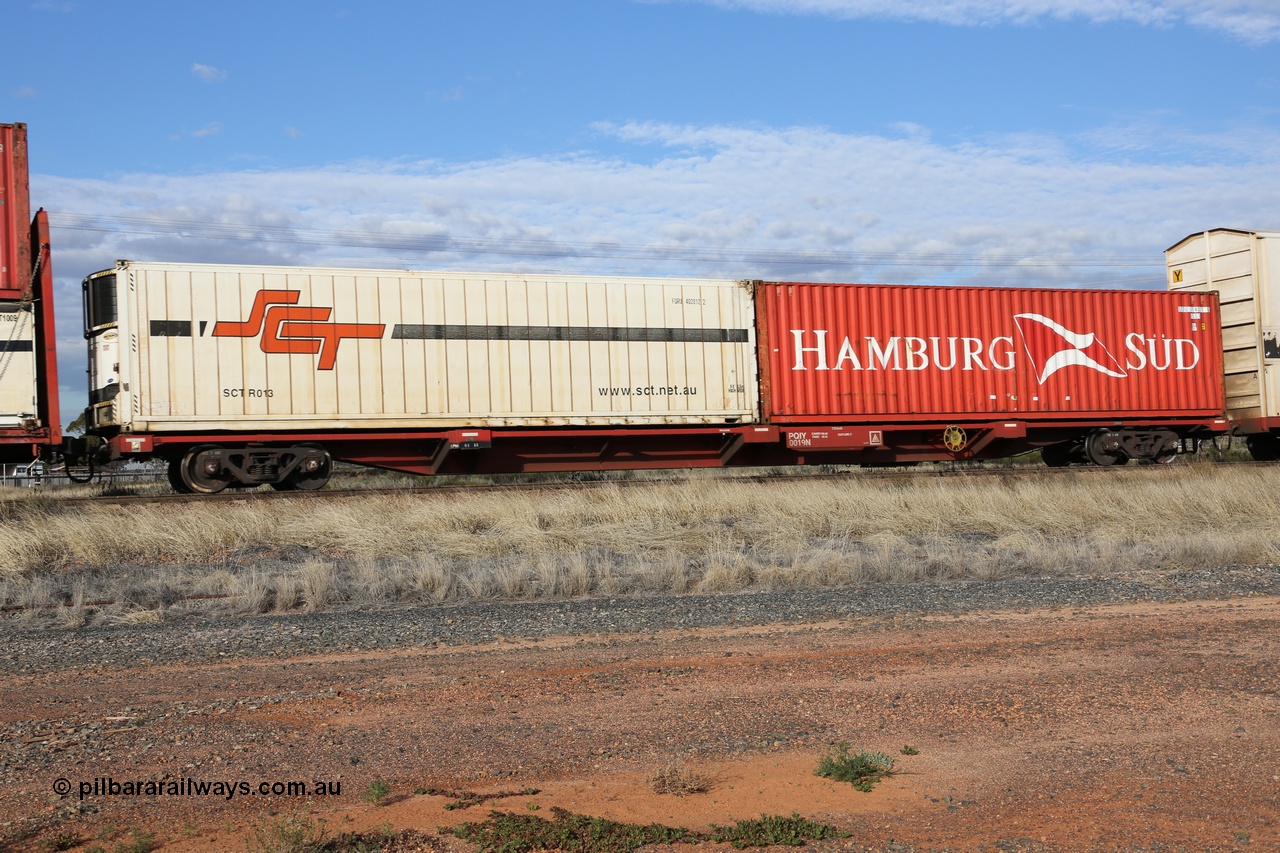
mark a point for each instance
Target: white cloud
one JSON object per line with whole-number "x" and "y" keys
{"x": 720, "y": 200}
{"x": 213, "y": 128}
{"x": 1254, "y": 21}
{"x": 208, "y": 73}
{"x": 786, "y": 203}
{"x": 25, "y": 92}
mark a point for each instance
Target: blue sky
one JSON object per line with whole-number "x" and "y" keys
{"x": 1014, "y": 142}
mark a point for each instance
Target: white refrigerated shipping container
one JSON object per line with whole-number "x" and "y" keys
{"x": 17, "y": 364}
{"x": 192, "y": 347}
{"x": 1243, "y": 267}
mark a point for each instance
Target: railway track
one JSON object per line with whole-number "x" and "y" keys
{"x": 937, "y": 472}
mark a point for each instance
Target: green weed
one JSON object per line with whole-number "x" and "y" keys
{"x": 61, "y": 841}
{"x": 574, "y": 833}
{"x": 376, "y": 792}
{"x": 768, "y": 830}
{"x": 861, "y": 769}
{"x": 514, "y": 833}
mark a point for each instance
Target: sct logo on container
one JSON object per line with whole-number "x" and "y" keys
{"x": 295, "y": 330}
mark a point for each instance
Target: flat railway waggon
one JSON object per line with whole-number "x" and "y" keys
{"x": 243, "y": 375}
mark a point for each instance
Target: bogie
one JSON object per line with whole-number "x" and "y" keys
{"x": 209, "y": 469}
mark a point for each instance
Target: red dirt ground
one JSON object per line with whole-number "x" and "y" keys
{"x": 1152, "y": 727}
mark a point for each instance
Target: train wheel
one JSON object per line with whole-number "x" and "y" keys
{"x": 315, "y": 470}
{"x": 1167, "y": 454}
{"x": 175, "y": 477}
{"x": 1057, "y": 455}
{"x": 1264, "y": 447}
{"x": 311, "y": 474}
{"x": 201, "y": 470}
{"x": 1102, "y": 447}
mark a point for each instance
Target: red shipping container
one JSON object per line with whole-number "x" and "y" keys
{"x": 15, "y": 212}
{"x": 834, "y": 353}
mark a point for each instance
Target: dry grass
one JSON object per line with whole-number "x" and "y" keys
{"x": 703, "y": 535}
{"x": 675, "y": 777}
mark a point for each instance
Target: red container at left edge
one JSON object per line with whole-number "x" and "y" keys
{"x": 893, "y": 353}
{"x": 15, "y": 212}
{"x": 28, "y": 359}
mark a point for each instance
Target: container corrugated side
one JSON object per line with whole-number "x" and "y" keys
{"x": 834, "y": 352}
{"x": 1243, "y": 268}
{"x": 272, "y": 348}
{"x": 15, "y": 212}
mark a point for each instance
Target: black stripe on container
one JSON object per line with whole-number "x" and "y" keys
{"x": 170, "y": 328}
{"x": 17, "y": 346}
{"x": 607, "y": 334}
